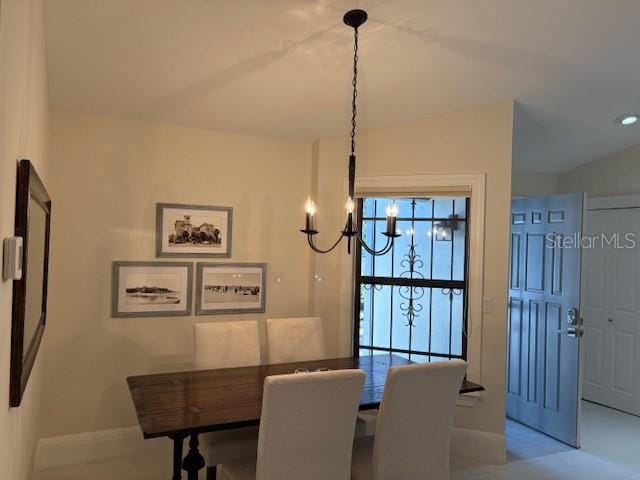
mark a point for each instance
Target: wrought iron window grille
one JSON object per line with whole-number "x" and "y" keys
{"x": 413, "y": 286}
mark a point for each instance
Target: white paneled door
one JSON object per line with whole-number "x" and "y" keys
{"x": 543, "y": 377}
{"x": 611, "y": 294}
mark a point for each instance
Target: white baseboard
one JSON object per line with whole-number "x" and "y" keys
{"x": 481, "y": 447}
{"x": 95, "y": 446}
{"x": 468, "y": 400}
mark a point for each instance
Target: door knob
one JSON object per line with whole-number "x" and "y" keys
{"x": 575, "y": 332}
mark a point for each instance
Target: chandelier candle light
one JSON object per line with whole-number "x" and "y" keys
{"x": 354, "y": 19}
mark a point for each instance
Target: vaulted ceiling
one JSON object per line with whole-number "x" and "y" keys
{"x": 282, "y": 67}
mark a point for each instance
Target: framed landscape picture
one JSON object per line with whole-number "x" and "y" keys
{"x": 231, "y": 288}
{"x": 193, "y": 230}
{"x": 151, "y": 289}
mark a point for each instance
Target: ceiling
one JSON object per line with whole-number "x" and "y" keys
{"x": 282, "y": 67}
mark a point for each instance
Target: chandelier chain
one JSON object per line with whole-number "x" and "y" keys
{"x": 354, "y": 108}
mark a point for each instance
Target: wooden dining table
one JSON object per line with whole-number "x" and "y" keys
{"x": 185, "y": 404}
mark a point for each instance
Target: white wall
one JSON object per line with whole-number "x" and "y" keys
{"x": 24, "y": 117}
{"x": 615, "y": 174}
{"x": 533, "y": 184}
{"x": 108, "y": 175}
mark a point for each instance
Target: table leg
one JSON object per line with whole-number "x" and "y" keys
{"x": 177, "y": 457}
{"x": 212, "y": 472}
{"x": 193, "y": 461}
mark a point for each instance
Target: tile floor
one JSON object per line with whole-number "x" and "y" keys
{"x": 610, "y": 451}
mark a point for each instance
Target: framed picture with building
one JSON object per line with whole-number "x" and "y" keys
{"x": 193, "y": 230}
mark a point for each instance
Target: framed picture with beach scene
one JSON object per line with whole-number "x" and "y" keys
{"x": 151, "y": 289}
{"x": 231, "y": 288}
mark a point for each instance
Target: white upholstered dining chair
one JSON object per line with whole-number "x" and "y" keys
{"x": 295, "y": 339}
{"x": 413, "y": 429}
{"x": 306, "y": 428}
{"x": 226, "y": 345}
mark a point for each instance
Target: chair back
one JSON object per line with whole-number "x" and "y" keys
{"x": 414, "y": 423}
{"x": 295, "y": 339}
{"x": 226, "y": 344}
{"x": 307, "y": 425}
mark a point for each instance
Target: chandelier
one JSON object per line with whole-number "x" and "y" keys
{"x": 354, "y": 19}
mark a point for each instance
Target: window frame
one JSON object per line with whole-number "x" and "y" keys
{"x": 472, "y": 184}
{"x": 361, "y": 280}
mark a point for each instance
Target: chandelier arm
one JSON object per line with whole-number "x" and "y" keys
{"x": 384, "y": 250}
{"x": 320, "y": 250}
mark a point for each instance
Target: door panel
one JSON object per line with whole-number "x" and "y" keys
{"x": 552, "y": 348}
{"x": 624, "y": 278}
{"x": 623, "y": 362}
{"x": 515, "y": 346}
{"x": 534, "y": 264}
{"x": 593, "y": 359}
{"x": 543, "y": 360}
{"x": 594, "y": 278}
{"x": 533, "y": 339}
{"x": 612, "y": 316}
{"x": 557, "y": 265}
{"x": 516, "y": 249}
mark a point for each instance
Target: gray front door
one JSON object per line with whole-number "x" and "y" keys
{"x": 544, "y": 336}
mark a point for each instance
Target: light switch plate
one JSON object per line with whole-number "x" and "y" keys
{"x": 487, "y": 305}
{"x": 12, "y": 258}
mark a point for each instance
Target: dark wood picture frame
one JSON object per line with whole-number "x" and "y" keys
{"x": 29, "y": 188}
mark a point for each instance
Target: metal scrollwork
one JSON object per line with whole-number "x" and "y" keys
{"x": 410, "y": 307}
{"x": 412, "y": 263}
{"x": 451, "y": 292}
{"x": 371, "y": 286}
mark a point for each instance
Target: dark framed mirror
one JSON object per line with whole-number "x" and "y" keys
{"x": 33, "y": 224}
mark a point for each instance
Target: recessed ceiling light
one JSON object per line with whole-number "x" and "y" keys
{"x": 628, "y": 119}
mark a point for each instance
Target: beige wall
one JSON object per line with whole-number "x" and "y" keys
{"x": 533, "y": 184}
{"x": 615, "y": 174}
{"x": 24, "y": 117}
{"x": 108, "y": 176}
{"x": 473, "y": 141}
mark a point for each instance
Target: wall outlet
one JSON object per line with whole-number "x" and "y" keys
{"x": 12, "y": 258}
